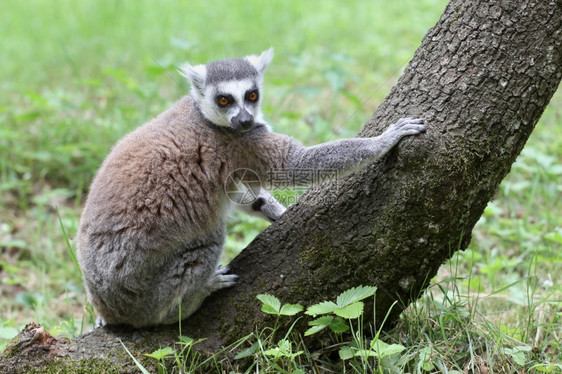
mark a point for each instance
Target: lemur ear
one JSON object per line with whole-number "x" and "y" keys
{"x": 195, "y": 74}
{"x": 260, "y": 62}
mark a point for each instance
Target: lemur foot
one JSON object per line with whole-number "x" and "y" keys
{"x": 221, "y": 279}
{"x": 100, "y": 322}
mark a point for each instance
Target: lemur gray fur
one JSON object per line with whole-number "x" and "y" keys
{"x": 153, "y": 226}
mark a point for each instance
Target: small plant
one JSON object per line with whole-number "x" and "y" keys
{"x": 348, "y": 305}
{"x": 338, "y": 317}
{"x": 182, "y": 354}
{"x": 386, "y": 354}
{"x": 280, "y": 357}
{"x": 272, "y": 305}
{"x": 284, "y": 349}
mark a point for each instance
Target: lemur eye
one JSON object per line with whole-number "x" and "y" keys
{"x": 252, "y": 95}
{"x": 223, "y": 101}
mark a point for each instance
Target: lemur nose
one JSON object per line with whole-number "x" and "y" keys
{"x": 243, "y": 120}
{"x": 246, "y": 124}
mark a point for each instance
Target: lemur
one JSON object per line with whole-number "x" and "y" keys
{"x": 153, "y": 226}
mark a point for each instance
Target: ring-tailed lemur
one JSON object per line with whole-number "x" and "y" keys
{"x": 153, "y": 225}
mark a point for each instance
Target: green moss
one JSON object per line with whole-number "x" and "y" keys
{"x": 11, "y": 349}
{"x": 80, "y": 366}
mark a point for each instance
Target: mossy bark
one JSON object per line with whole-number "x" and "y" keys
{"x": 481, "y": 79}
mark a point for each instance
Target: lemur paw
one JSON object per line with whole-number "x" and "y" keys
{"x": 221, "y": 279}
{"x": 409, "y": 126}
{"x": 269, "y": 207}
{"x": 100, "y": 322}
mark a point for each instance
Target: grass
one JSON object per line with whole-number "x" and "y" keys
{"x": 74, "y": 86}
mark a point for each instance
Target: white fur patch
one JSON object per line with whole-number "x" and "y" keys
{"x": 195, "y": 74}
{"x": 260, "y": 62}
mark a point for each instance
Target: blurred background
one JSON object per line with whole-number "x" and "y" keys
{"x": 77, "y": 75}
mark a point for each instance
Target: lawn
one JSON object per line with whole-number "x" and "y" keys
{"x": 78, "y": 75}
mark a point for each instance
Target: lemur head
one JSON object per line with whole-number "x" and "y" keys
{"x": 229, "y": 91}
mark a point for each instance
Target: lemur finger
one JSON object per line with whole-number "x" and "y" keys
{"x": 410, "y": 120}
{"x": 228, "y": 280}
{"x": 403, "y": 122}
{"x": 412, "y": 131}
{"x": 420, "y": 128}
{"x": 222, "y": 269}
{"x": 223, "y": 281}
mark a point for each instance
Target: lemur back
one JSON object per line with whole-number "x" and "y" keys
{"x": 152, "y": 229}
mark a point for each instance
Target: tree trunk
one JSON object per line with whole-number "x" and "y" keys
{"x": 481, "y": 79}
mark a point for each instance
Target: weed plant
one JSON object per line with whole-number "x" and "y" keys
{"x": 77, "y": 76}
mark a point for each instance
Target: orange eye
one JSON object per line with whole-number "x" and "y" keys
{"x": 223, "y": 101}
{"x": 252, "y": 96}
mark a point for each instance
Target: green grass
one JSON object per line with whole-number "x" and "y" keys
{"x": 76, "y": 76}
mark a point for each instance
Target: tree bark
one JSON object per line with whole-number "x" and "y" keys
{"x": 481, "y": 79}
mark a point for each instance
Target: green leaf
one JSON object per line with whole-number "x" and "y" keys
{"x": 355, "y": 294}
{"x": 352, "y": 311}
{"x": 297, "y": 353}
{"x": 339, "y": 326}
{"x": 269, "y": 309}
{"x": 321, "y": 321}
{"x": 187, "y": 340}
{"x": 424, "y": 360}
{"x": 248, "y": 352}
{"x": 271, "y": 304}
{"x": 518, "y": 354}
{"x": 318, "y": 325}
{"x": 284, "y": 349}
{"x": 365, "y": 353}
{"x": 314, "y": 329}
{"x": 161, "y": 353}
{"x": 8, "y": 332}
{"x": 383, "y": 349}
{"x": 291, "y": 309}
{"x": 284, "y": 346}
{"x": 519, "y": 358}
{"x": 275, "y": 353}
{"x": 324, "y": 307}
{"x": 346, "y": 353}
{"x": 547, "y": 368}
{"x": 298, "y": 371}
